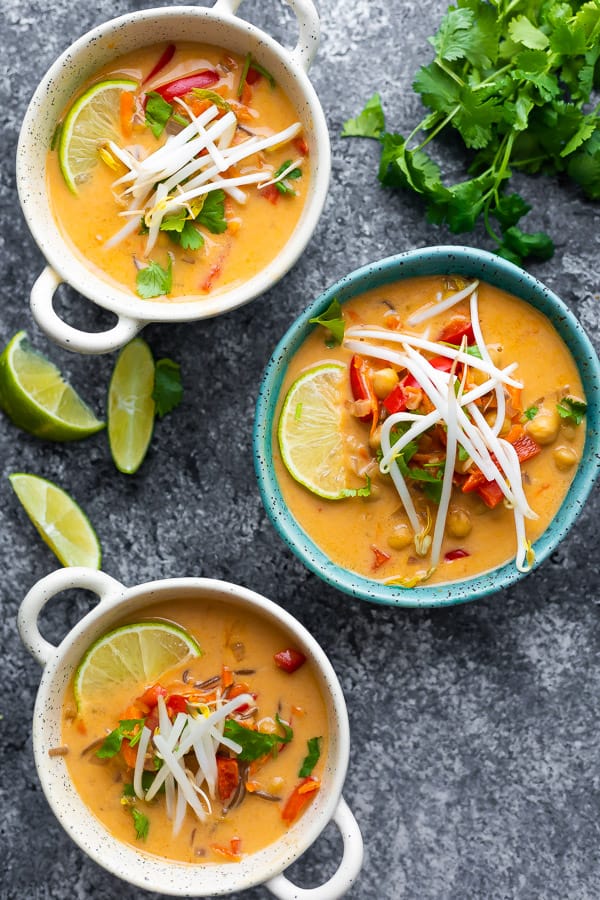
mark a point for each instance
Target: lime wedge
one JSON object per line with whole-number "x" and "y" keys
{"x": 135, "y": 654}
{"x": 90, "y": 124}
{"x": 310, "y": 433}
{"x": 131, "y": 407}
{"x": 34, "y": 395}
{"x": 60, "y": 521}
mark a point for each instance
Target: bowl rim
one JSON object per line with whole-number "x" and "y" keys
{"x": 437, "y": 259}
{"x": 64, "y": 259}
{"x": 153, "y": 872}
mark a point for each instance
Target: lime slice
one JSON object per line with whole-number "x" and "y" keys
{"x": 91, "y": 122}
{"x": 131, "y": 407}
{"x": 310, "y": 433}
{"x": 34, "y": 395}
{"x": 135, "y": 654}
{"x": 61, "y": 522}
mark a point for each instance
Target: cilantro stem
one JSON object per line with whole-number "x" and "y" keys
{"x": 448, "y": 71}
{"x": 438, "y": 128}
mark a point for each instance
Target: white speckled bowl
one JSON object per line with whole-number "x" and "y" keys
{"x": 219, "y": 26}
{"x": 130, "y": 863}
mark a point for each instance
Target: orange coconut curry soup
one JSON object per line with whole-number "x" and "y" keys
{"x": 460, "y": 424}
{"x": 182, "y": 178}
{"x": 243, "y": 726}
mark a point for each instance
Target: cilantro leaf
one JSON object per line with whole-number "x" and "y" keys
{"x": 212, "y": 214}
{"x": 333, "y": 320}
{"x": 538, "y": 245}
{"x": 523, "y": 31}
{"x": 141, "y": 823}
{"x": 369, "y": 123}
{"x": 312, "y": 757}
{"x": 157, "y": 113}
{"x": 153, "y": 280}
{"x": 130, "y": 729}
{"x": 364, "y": 491}
{"x": 571, "y": 408}
{"x": 530, "y": 413}
{"x": 254, "y": 744}
{"x": 168, "y": 390}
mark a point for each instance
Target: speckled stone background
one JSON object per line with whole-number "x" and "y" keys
{"x": 475, "y": 763}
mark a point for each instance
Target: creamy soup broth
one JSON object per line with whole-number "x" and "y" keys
{"x": 232, "y": 638}
{"x": 256, "y": 229}
{"x": 351, "y": 531}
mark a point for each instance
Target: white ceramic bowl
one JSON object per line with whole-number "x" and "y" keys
{"x": 219, "y": 26}
{"x": 129, "y": 863}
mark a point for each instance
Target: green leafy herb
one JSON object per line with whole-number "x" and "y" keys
{"x": 147, "y": 779}
{"x": 255, "y": 744}
{"x": 168, "y": 389}
{"x": 141, "y": 824}
{"x": 530, "y": 413}
{"x": 312, "y": 758}
{"x": 212, "y": 214}
{"x": 282, "y": 185}
{"x": 515, "y": 80}
{"x": 364, "y": 491}
{"x": 153, "y": 280}
{"x": 333, "y": 320}
{"x": 130, "y": 729}
{"x": 573, "y": 409}
{"x": 157, "y": 113}
{"x": 250, "y": 63}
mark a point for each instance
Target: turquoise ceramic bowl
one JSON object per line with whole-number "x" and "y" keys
{"x": 428, "y": 261}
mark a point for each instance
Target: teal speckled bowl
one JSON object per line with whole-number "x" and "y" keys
{"x": 428, "y": 261}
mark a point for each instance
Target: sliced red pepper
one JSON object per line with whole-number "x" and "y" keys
{"x": 456, "y": 329}
{"x": 151, "y": 695}
{"x": 228, "y": 776}
{"x": 289, "y": 659}
{"x": 361, "y": 384}
{"x": 182, "y": 86}
{"x": 396, "y": 400}
{"x": 270, "y": 193}
{"x": 163, "y": 61}
{"x": 455, "y": 554}
{"x": 381, "y": 556}
{"x": 299, "y": 798}
{"x": 526, "y": 448}
{"x": 252, "y": 76}
{"x": 176, "y": 703}
{"x": 441, "y": 363}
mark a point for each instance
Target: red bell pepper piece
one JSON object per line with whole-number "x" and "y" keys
{"x": 396, "y": 400}
{"x": 176, "y": 703}
{"x": 455, "y": 554}
{"x": 299, "y": 798}
{"x": 456, "y": 329}
{"x": 228, "y": 776}
{"x": 289, "y": 659}
{"x": 361, "y": 384}
{"x": 526, "y": 448}
{"x": 441, "y": 363}
{"x": 163, "y": 61}
{"x": 381, "y": 556}
{"x": 151, "y": 695}
{"x": 182, "y": 86}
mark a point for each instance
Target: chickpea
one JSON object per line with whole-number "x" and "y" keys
{"x": 490, "y": 418}
{"x": 458, "y": 523}
{"x": 544, "y": 426}
{"x": 375, "y": 439}
{"x": 384, "y": 381}
{"x": 400, "y": 537}
{"x": 565, "y": 457}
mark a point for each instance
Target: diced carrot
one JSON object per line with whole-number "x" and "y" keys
{"x": 226, "y": 676}
{"x": 228, "y": 776}
{"x": 151, "y": 695}
{"x": 126, "y": 109}
{"x": 299, "y": 798}
{"x": 381, "y": 557}
{"x": 240, "y": 687}
{"x": 246, "y": 93}
{"x": 227, "y": 852}
{"x": 301, "y": 145}
{"x": 129, "y": 754}
{"x": 270, "y": 193}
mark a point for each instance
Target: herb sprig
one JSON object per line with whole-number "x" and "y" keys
{"x": 515, "y": 80}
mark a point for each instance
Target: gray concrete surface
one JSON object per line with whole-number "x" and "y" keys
{"x": 474, "y": 769}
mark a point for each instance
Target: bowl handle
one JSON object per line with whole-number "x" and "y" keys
{"x": 70, "y": 338}
{"x": 46, "y": 588}
{"x": 309, "y": 28}
{"x": 347, "y": 870}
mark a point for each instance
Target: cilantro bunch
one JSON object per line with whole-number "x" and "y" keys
{"x": 515, "y": 78}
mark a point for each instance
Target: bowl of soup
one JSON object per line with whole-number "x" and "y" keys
{"x": 172, "y": 165}
{"x": 427, "y": 430}
{"x": 190, "y": 735}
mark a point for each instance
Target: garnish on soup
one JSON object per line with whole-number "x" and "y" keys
{"x": 178, "y": 157}
{"x": 189, "y": 764}
{"x": 461, "y": 406}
